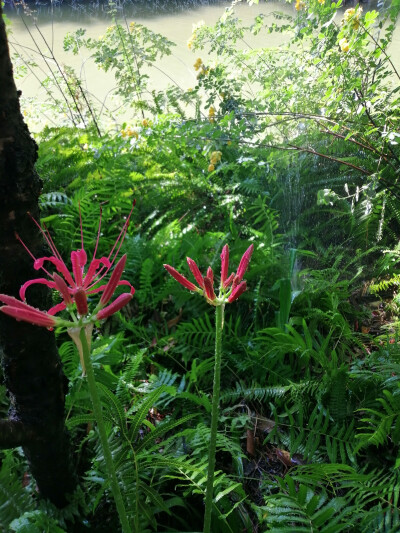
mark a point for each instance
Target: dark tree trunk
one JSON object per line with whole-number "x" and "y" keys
{"x": 31, "y": 365}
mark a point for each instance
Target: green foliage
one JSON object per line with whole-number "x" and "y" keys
{"x": 293, "y": 149}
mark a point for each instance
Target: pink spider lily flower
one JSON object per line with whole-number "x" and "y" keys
{"x": 230, "y": 287}
{"x": 75, "y": 287}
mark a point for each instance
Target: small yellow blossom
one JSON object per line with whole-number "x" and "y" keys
{"x": 145, "y": 123}
{"x": 131, "y": 26}
{"x": 198, "y": 63}
{"x": 190, "y": 41}
{"x": 229, "y": 143}
{"x": 211, "y": 114}
{"x": 344, "y": 45}
{"x": 211, "y": 167}
{"x": 215, "y": 157}
{"x": 322, "y": 2}
{"x": 129, "y": 132}
{"x": 348, "y": 14}
{"x": 299, "y": 5}
{"x": 352, "y": 15}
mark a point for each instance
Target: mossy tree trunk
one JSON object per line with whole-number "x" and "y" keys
{"x": 31, "y": 366}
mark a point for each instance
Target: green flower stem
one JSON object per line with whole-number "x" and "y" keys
{"x": 219, "y": 324}
{"x": 97, "y": 410}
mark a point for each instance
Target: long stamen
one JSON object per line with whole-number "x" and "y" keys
{"x": 31, "y": 254}
{"x": 80, "y": 220}
{"x": 47, "y": 237}
{"x": 121, "y": 237}
{"x": 98, "y": 233}
{"x": 52, "y": 245}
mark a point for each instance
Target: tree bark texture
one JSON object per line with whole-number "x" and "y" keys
{"x": 31, "y": 366}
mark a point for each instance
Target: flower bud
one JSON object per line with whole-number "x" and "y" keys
{"x": 81, "y": 302}
{"x": 208, "y": 287}
{"x": 237, "y": 291}
{"x": 181, "y": 279}
{"x": 195, "y": 271}
{"x": 117, "y": 304}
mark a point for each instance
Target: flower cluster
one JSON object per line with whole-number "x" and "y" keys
{"x": 190, "y": 41}
{"x": 129, "y": 132}
{"x": 352, "y": 16}
{"x": 230, "y": 288}
{"x": 200, "y": 66}
{"x": 74, "y": 287}
{"x": 211, "y": 114}
{"x": 215, "y": 158}
{"x": 344, "y": 45}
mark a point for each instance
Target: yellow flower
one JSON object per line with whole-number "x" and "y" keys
{"x": 344, "y": 45}
{"x": 352, "y": 15}
{"x": 229, "y": 143}
{"x": 131, "y": 26}
{"x": 348, "y": 14}
{"x": 211, "y": 114}
{"x": 322, "y": 2}
{"x": 211, "y": 167}
{"x": 198, "y": 63}
{"x": 299, "y": 5}
{"x": 215, "y": 157}
{"x": 145, "y": 123}
{"x": 190, "y": 41}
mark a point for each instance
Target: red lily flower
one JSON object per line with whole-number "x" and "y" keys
{"x": 76, "y": 286}
{"x": 230, "y": 287}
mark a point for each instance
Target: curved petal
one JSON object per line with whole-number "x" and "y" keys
{"x": 113, "y": 281}
{"x": 60, "y": 266}
{"x": 40, "y": 281}
{"x": 92, "y": 270}
{"x": 122, "y": 282}
{"x": 78, "y": 260}
{"x": 56, "y": 308}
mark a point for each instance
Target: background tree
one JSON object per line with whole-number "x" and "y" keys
{"x": 31, "y": 366}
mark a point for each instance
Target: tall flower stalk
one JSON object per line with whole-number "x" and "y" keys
{"x": 230, "y": 288}
{"x": 74, "y": 288}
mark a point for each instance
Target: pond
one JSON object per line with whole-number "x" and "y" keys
{"x": 42, "y": 27}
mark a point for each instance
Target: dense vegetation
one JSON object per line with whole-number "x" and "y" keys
{"x": 296, "y": 150}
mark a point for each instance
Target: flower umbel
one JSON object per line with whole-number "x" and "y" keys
{"x": 231, "y": 287}
{"x": 74, "y": 287}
